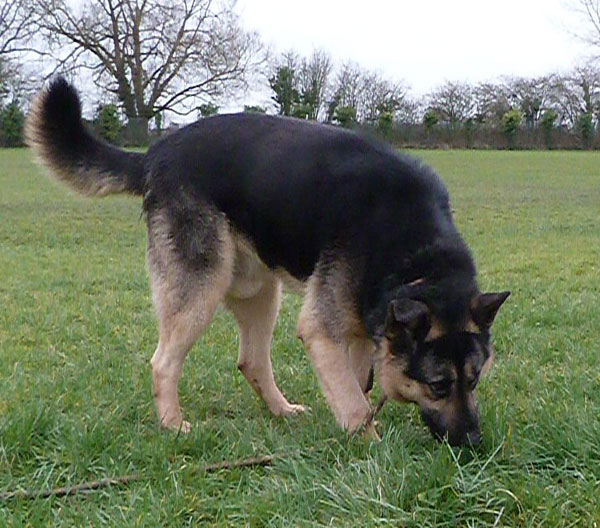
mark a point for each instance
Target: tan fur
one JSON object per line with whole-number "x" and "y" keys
{"x": 182, "y": 318}
{"x": 488, "y": 363}
{"x": 329, "y": 354}
{"x": 194, "y": 269}
{"x": 256, "y": 316}
{"x": 390, "y": 371}
{"x": 87, "y": 181}
{"x": 435, "y": 331}
{"x": 361, "y": 353}
{"x": 185, "y": 304}
{"x": 472, "y": 327}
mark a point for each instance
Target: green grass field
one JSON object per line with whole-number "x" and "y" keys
{"x": 77, "y": 332}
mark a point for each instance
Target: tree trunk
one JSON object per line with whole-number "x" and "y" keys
{"x": 136, "y": 133}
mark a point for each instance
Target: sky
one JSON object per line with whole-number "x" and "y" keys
{"x": 422, "y": 43}
{"x": 426, "y": 42}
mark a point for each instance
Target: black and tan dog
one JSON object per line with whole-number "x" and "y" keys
{"x": 236, "y": 205}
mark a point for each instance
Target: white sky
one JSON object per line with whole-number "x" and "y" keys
{"x": 421, "y": 42}
{"x": 425, "y": 42}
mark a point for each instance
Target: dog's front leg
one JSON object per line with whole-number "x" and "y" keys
{"x": 336, "y": 376}
{"x": 361, "y": 353}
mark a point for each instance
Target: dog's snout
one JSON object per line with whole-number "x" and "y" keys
{"x": 470, "y": 438}
{"x": 474, "y": 437}
{"x": 466, "y": 432}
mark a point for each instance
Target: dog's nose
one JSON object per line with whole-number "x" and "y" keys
{"x": 474, "y": 437}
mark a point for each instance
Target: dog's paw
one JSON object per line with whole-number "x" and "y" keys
{"x": 183, "y": 426}
{"x": 291, "y": 409}
{"x": 370, "y": 432}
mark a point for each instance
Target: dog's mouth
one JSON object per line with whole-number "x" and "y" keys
{"x": 456, "y": 437}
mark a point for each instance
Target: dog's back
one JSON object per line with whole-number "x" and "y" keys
{"x": 294, "y": 187}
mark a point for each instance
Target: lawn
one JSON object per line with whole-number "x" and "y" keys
{"x": 77, "y": 331}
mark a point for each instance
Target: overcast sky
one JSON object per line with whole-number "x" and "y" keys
{"x": 425, "y": 42}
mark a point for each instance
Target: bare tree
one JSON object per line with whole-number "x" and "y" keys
{"x": 577, "y": 93}
{"x": 153, "y": 55}
{"x": 15, "y": 27}
{"x": 15, "y": 30}
{"x": 367, "y": 92}
{"x": 530, "y": 95}
{"x": 453, "y": 102}
{"x": 492, "y": 101}
{"x": 346, "y": 88}
{"x": 380, "y": 95}
{"x": 589, "y": 14}
{"x": 313, "y": 82}
{"x": 410, "y": 111}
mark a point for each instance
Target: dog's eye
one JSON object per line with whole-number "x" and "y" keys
{"x": 440, "y": 388}
{"x": 472, "y": 383}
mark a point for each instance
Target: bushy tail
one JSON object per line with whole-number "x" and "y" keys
{"x": 57, "y": 134}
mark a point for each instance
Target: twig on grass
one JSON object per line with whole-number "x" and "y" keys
{"x": 95, "y": 485}
{"x": 67, "y": 491}
{"x": 243, "y": 462}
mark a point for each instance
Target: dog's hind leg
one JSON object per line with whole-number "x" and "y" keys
{"x": 256, "y": 317}
{"x": 185, "y": 297}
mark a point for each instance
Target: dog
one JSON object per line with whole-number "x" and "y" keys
{"x": 237, "y": 205}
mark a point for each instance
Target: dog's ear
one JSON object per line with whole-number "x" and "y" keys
{"x": 485, "y": 306}
{"x": 407, "y": 316}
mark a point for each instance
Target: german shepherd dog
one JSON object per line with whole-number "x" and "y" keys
{"x": 238, "y": 204}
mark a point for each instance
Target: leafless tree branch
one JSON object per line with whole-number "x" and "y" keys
{"x": 147, "y": 51}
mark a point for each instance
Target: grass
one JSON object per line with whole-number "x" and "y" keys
{"x": 77, "y": 331}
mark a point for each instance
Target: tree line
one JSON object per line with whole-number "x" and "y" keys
{"x": 561, "y": 109}
{"x": 150, "y": 58}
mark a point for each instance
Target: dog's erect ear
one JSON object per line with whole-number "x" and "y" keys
{"x": 406, "y": 315}
{"x": 485, "y": 306}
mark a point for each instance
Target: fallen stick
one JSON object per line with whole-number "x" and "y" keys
{"x": 243, "y": 462}
{"x": 95, "y": 485}
{"x": 66, "y": 491}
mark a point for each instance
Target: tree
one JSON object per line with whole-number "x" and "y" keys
{"x": 510, "y": 125}
{"x": 15, "y": 29}
{"x": 254, "y": 109}
{"x": 548, "y": 122}
{"x": 347, "y": 88}
{"x": 385, "y": 122}
{"x": 531, "y": 96}
{"x": 589, "y": 14}
{"x": 313, "y": 83}
{"x": 469, "y": 127}
{"x": 345, "y": 116}
{"x": 284, "y": 83}
{"x": 108, "y": 122}
{"x": 208, "y": 109}
{"x": 153, "y": 55}
{"x": 430, "y": 120}
{"x": 300, "y": 84}
{"x": 369, "y": 93}
{"x": 453, "y": 103}
{"x": 12, "y": 120}
{"x": 492, "y": 101}
{"x": 158, "y": 121}
{"x": 380, "y": 96}
{"x": 409, "y": 111}
{"x": 577, "y": 93}
{"x": 585, "y": 127}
